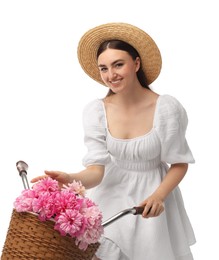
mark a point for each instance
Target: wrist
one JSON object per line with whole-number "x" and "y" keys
{"x": 70, "y": 177}
{"x": 159, "y": 195}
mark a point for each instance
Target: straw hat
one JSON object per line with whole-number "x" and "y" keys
{"x": 140, "y": 40}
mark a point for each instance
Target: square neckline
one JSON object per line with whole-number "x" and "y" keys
{"x": 137, "y": 137}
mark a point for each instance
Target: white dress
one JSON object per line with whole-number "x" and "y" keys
{"x": 134, "y": 168}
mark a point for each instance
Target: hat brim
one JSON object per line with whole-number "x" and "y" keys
{"x": 89, "y": 43}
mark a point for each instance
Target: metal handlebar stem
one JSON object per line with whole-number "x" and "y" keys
{"x": 134, "y": 211}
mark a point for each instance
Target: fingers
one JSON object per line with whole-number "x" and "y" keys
{"x": 38, "y": 178}
{"x": 147, "y": 210}
{"x": 52, "y": 174}
{"x": 61, "y": 177}
{"x": 153, "y": 208}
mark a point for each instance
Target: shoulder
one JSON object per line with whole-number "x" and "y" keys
{"x": 169, "y": 105}
{"x": 95, "y": 104}
{"x": 93, "y": 112}
{"x": 170, "y": 109}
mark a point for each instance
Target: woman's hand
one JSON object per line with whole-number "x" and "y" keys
{"x": 153, "y": 206}
{"x": 61, "y": 177}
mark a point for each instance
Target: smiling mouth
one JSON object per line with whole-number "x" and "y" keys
{"x": 115, "y": 81}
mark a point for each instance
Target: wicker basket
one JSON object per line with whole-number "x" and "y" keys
{"x": 29, "y": 238}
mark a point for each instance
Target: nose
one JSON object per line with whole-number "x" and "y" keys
{"x": 111, "y": 74}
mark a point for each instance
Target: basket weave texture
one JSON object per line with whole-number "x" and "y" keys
{"x": 30, "y": 239}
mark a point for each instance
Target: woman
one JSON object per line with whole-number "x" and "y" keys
{"x": 137, "y": 150}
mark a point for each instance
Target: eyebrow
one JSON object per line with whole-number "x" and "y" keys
{"x": 113, "y": 63}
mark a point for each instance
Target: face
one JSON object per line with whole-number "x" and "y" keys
{"x": 118, "y": 69}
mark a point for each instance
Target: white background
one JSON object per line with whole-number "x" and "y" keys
{"x": 43, "y": 91}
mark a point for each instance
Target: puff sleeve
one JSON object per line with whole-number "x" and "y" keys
{"x": 95, "y": 134}
{"x": 171, "y": 123}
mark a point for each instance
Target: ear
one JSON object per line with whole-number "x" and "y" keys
{"x": 137, "y": 64}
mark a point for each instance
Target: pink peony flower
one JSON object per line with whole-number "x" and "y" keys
{"x": 70, "y": 222}
{"x": 23, "y": 203}
{"x": 44, "y": 205}
{"x": 93, "y": 229}
{"x": 67, "y": 200}
{"x": 76, "y": 187}
{"x": 46, "y": 185}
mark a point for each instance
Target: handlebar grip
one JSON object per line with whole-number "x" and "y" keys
{"x": 138, "y": 210}
{"x": 22, "y": 167}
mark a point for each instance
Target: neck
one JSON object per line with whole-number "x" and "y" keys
{"x": 130, "y": 97}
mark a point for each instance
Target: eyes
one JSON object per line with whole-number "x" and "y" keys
{"x": 117, "y": 65}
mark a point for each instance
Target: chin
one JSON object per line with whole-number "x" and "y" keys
{"x": 117, "y": 89}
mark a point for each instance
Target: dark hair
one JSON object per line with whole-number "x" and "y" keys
{"x": 124, "y": 46}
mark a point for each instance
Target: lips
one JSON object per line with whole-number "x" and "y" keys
{"x": 115, "y": 82}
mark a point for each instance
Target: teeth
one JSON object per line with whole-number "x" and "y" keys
{"x": 115, "y": 81}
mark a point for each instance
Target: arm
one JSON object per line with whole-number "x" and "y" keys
{"x": 154, "y": 205}
{"x": 171, "y": 124}
{"x": 89, "y": 177}
{"x": 97, "y": 154}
